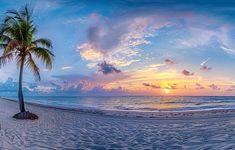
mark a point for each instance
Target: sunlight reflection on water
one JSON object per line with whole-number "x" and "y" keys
{"x": 136, "y": 103}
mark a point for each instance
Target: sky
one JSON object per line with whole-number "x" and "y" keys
{"x": 131, "y": 47}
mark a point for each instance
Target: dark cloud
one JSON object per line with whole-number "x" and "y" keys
{"x": 187, "y": 73}
{"x": 169, "y": 62}
{"x": 107, "y": 68}
{"x": 93, "y": 34}
{"x": 146, "y": 84}
{"x": 214, "y": 87}
{"x": 205, "y": 68}
{"x": 151, "y": 85}
{"x": 199, "y": 86}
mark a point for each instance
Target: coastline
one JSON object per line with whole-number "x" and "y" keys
{"x": 59, "y": 128}
{"x": 193, "y": 114}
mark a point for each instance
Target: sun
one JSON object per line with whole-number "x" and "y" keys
{"x": 167, "y": 91}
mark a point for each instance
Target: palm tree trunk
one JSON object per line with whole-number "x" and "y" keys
{"x": 20, "y": 92}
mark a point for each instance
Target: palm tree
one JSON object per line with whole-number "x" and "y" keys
{"x": 17, "y": 40}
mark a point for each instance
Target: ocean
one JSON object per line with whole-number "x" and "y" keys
{"x": 135, "y": 103}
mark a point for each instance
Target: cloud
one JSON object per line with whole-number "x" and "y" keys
{"x": 151, "y": 85}
{"x": 76, "y": 20}
{"x": 118, "y": 40}
{"x": 94, "y": 16}
{"x": 107, "y": 68}
{"x": 94, "y": 84}
{"x": 228, "y": 50}
{"x": 45, "y": 70}
{"x": 169, "y": 61}
{"x": 99, "y": 90}
{"x": 89, "y": 52}
{"x": 72, "y": 82}
{"x": 43, "y": 89}
{"x": 45, "y": 6}
{"x": 66, "y": 67}
{"x": 11, "y": 87}
{"x": 187, "y": 73}
{"x": 171, "y": 86}
{"x": 204, "y": 67}
{"x": 199, "y": 86}
{"x": 91, "y": 65}
{"x": 94, "y": 34}
{"x": 204, "y": 62}
{"x": 8, "y": 70}
{"x": 199, "y": 36}
{"x": 86, "y": 82}
{"x": 206, "y": 34}
{"x": 67, "y": 84}
{"x": 231, "y": 89}
{"x": 214, "y": 87}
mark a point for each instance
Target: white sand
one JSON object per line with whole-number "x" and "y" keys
{"x": 64, "y": 129}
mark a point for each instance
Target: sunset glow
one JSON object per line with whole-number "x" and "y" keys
{"x": 167, "y": 91}
{"x": 154, "y": 51}
{"x": 117, "y": 74}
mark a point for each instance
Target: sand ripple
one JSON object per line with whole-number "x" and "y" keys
{"x": 59, "y": 129}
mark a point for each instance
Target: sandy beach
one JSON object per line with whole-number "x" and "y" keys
{"x": 69, "y": 129}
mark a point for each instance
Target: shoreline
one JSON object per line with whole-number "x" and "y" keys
{"x": 193, "y": 114}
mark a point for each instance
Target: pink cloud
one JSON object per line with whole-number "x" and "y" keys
{"x": 169, "y": 61}
{"x": 205, "y": 68}
{"x": 199, "y": 86}
{"x": 86, "y": 83}
{"x": 214, "y": 87}
{"x": 94, "y": 16}
{"x": 231, "y": 89}
{"x": 187, "y": 73}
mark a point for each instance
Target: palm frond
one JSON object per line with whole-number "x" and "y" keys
{"x": 44, "y": 54}
{"x": 43, "y": 42}
{"x": 32, "y": 65}
{"x": 26, "y": 12}
{"x": 3, "y": 45}
{"x": 11, "y": 46}
{"x": 5, "y": 58}
{"x": 4, "y": 38}
{"x": 13, "y": 15}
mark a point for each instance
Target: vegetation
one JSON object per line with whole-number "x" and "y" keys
{"x": 17, "y": 33}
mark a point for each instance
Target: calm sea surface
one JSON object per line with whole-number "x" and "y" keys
{"x": 136, "y": 103}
